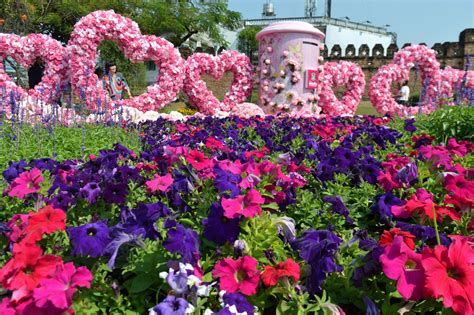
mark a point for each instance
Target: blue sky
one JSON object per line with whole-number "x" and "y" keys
{"x": 414, "y": 21}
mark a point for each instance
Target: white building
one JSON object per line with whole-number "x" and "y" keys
{"x": 338, "y": 32}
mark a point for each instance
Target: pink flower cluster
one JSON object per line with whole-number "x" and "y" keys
{"x": 197, "y": 91}
{"x": 346, "y": 74}
{"x": 437, "y": 82}
{"x": 24, "y": 50}
{"x": 98, "y": 26}
{"x": 39, "y": 283}
{"x": 452, "y": 78}
{"x": 441, "y": 272}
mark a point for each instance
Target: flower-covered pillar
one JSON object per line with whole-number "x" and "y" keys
{"x": 288, "y": 67}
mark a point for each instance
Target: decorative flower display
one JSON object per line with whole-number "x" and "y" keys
{"x": 452, "y": 80}
{"x": 380, "y": 91}
{"x": 197, "y": 91}
{"x": 98, "y": 26}
{"x": 24, "y": 51}
{"x": 215, "y": 215}
{"x": 346, "y": 74}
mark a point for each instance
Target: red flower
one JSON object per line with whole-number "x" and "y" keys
{"x": 462, "y": 204}
{"x": 459, "y": 186}
{"x": 198, "y": 160}
{"x": 450, "y": 275}
{"x": 46, "y": 221}
{"x": 388, "y": 236}
{"x": 26, "y": 269}
{"x": 213, "y": 143}
{"x": 422, "y": 202}
{"x": 237, "y": 275}
{"x": 288, "y": 268}
{"x": 27, "y": 183}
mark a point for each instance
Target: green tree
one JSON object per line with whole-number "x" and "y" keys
{"x": 176, "y": 20}
{"x": 246, "y": 41}
{"x": 179, "y": 21}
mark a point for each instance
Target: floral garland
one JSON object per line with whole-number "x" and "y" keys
{"x": 346, "y": 74}
{"x": 24, "y": 50}
{"x": 452, "y": 79}
{"x": 196, "y": 89}
{"x": 92, "y": 29}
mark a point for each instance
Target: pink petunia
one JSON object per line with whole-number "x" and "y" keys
{"x": 248, "y": 205}
{"x": 60, "y": 289}
{"x": 198, "y": 160}
{"x": 239, "y": 275}
{"x": 27, "y": 183}
{"x": 159, "y": 183}
{"x": 459, "y": 186}
{"x": 401, "y": 263}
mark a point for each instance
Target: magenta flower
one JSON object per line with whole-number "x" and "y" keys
{"x": 60, "y": 289}
{"x": 248, "y": 205}
{"x": 159, "y": 183}
{"x": 27, "y": 183}
{"x": 239, "y": 275}
{"x": 401, "y": 263}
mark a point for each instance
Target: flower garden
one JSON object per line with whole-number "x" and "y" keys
{"x": 232, "y": 211}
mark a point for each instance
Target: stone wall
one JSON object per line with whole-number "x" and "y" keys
{"x": 452, "y": 54}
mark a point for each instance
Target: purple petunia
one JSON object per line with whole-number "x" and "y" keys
{"x": 90, "y": 192}
{"x": 90, "y": 239}
{"x": 14, "y": 170}
{"x": 383, "y": 204}
{"x": 239, "y": 302}
{"x": 141, "y": 221}
{"x": 337, "y": 206}
{"x": 408, "y": 175}
{"x": 318, "y": 248}
{"x": 218, "y": 228}
{"x": 184, "y": 242}
{"x": 409, "y": 125}
{"x": 171, "y": 306}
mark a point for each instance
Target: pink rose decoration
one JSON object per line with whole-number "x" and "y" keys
{"x": 196, "y": 89}
{"x": 98, "y": 26}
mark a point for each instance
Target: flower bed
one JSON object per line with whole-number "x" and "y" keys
{"x": 233, "y": 216}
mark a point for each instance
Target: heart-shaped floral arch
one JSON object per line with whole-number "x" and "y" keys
{"x": 453, "y": 79}
{"x": 196, "y": 89}
{"x": 24, "y": 50}
{"x": 98, "y": 26}
{"x": 399, "y": 70}
{"x": 342, "y": 73}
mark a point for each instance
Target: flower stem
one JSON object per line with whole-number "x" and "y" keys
{"x": 436, "y": 225}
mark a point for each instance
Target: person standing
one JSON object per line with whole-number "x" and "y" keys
{"x": 35, "y": 73}
{"x": 115, "y": 82}
{"x": 404, "y": 94}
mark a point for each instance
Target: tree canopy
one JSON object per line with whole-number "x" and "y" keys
{"x": 175, "y": 20}
{"x": 246, "y": 41}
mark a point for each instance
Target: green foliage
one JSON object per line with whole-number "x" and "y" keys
{"x": 455, "y": 121}
{"x": 28, "y": 142}
{"x": 246, "y": 41}
{"x": 178, "y": 21}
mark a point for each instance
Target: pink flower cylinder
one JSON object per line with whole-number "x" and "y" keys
{"x": 288, "y": 68}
